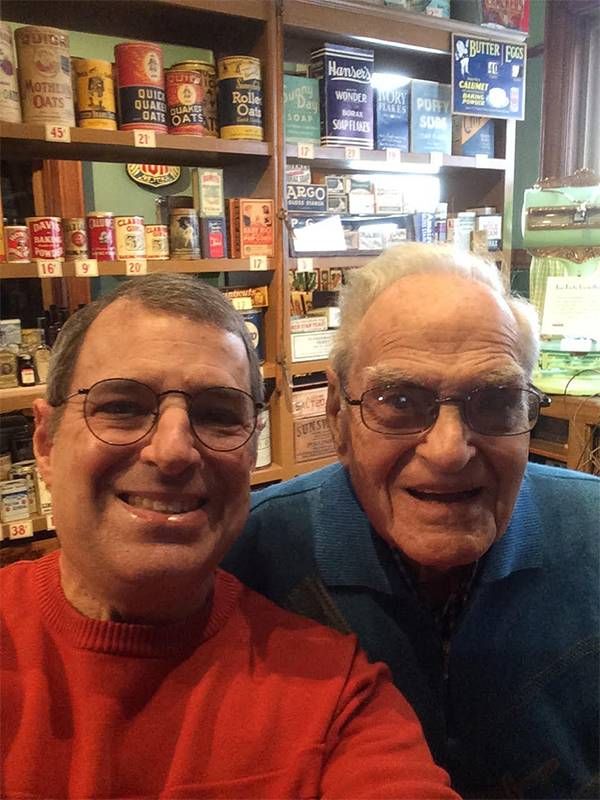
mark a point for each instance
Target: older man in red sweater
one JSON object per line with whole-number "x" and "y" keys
{"x": 131, "y": 666}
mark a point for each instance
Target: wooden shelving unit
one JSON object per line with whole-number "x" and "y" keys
{"x": 583, "y": 417}
{"x": 29, "y": 269}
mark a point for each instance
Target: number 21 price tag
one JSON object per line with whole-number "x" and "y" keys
{"x": 144, "y": 138}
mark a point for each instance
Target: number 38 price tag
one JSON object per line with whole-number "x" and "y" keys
{"x": 21, "y": 529}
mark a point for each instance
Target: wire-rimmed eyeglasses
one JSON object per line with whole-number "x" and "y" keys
{"x": 122, "y": 411}
{"x": 401, "y": 409}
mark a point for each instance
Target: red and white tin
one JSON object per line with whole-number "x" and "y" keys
{"x": 75, "y": 236}
{"x": 186, "y": 103}
{"x": 141, "y": 87}
{"x": 101, "y": 235}
{"x": 18, "y": 246}
{"x": 130, "y": 237}
{"x": 46, "y": 237}
{"x": 157, "y": 242}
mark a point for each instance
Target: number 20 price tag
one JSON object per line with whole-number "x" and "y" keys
{"x": 136, "y": 266}
{"x": 86, "y": 267}
{"x": 21, "y": 529}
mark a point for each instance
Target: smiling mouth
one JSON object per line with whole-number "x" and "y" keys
{"x": 174, "y": 506}
{"x": 445, "y": 497}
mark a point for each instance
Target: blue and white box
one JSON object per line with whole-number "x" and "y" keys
{"x": 472, "y": 136}
{"x": 345, "y": 93}
{"x": 430, "y": 117}
{"x": 392, "y": 99}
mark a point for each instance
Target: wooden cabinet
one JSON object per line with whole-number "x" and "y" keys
{"x": 569, "y": 433}
{"x": 274, "y": 31}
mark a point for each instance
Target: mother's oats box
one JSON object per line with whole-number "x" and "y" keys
{"x": 345, "y": 94}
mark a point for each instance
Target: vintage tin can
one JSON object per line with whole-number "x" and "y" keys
{"x": 240, "y": 98}
{"x": 10, "y": 104}
{"x": 46, "y": 237}
{"x": 14, "y": 500}
{"x": 45, "y": 75}
{"x": 208, "y": 83}
{"x": 263, "y": 450}
{"x": 141, "y": 87}
{"x": 101, "y": 235}
{"x": 25, "y": 471}
{"x": 130, "y": 237}
{"x": 255, "y": 327}
{"x": 18, "y": 245}
{"x": 75, "y": 238}
{"x": 94, "y": 94}
{"x": 185, "y": 106}
{"x": 157, "y": 241}
{"x": 184, "y": 233}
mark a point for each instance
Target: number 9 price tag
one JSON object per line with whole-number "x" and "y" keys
{"x": 86, "y": 267}
{"x": 136, "y": 266}
{"x": 21, "y": 529}
{"x": 49, "y": 268}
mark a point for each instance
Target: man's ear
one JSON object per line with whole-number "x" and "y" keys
{"x": 336, "y": 414}
{"x": 42, "y": 439}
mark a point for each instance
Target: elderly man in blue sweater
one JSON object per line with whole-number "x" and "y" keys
{"x": 472, "y": 573}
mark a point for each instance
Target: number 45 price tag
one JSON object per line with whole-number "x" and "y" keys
{"x": 58, "y": 133}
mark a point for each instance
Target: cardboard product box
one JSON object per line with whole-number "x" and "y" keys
{"x": 312, "y": 439}
{"x": 213, "y": 237}
{"x": 310, "y": 197}
{"x": 255, "y": 296}
{"x": 388, "y": 202}
{"x": 297, "y": 173}
{"x": 250, "y": 227}
{"x": 434, "y": 8}
{"x": 472, "y": 136}
{"x": 492, "y": 225}
{"x": 301, "y": 118}
{"x": 337, "y": 203}
{"x": 463, "y": 228}
{"x": 391, "y": 112}
{"x": 329, "y": 316}
{"x": 309, "y": 402}
{"x": 44, "y": 498}
{"x": 345, "y": 94}
{"x": 493, "y": 13}
{"x": 207, "y": 191}
{"x": 360, "y": 202}
{"x": 311, "y": 346}
{"x": 430, "y": 117}
{"x": 335, "y": 184}
{"x": 424, "y": 226}
{"x": 308, "y": 324}
{"x": 295, "y": 68}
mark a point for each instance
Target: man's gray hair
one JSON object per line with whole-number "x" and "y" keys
{"x": 367, "y": 283}
{"x": 178, "y": 295}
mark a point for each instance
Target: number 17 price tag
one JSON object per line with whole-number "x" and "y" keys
{"x": 258, "y": 263}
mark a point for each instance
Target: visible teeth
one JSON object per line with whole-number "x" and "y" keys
{"x": 171, "y": 507}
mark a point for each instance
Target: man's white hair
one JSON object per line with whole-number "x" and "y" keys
{"x": 367, "y": 283}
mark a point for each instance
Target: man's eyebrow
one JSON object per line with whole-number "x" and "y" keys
{"x": 377, "y": 375}
{"x": 383, "y": 374}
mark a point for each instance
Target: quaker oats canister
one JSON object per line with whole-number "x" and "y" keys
{"x": 46, "y": 237}
{"x": 157, "y": 241}
{"x": 185, "y": 102}
{"x": 101, "y": 235}
{"x": 94, "y": 94}
{"x": 75, "y": 237}
{"x": 184, "y": 233}
{"x": 10, "y": 105}
{"x": 208, "y": 85}
{"x": 141, "y": 87}
{"x": 45, "y": 75}
{"x": 240, "y": 98}
{"x": 130, "y": 237}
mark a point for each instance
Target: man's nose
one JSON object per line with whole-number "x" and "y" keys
{"x": 172, "y": 445}
{"x": 448, "y": 444}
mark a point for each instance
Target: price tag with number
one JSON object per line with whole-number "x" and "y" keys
{"x": 306, "y": 150}
{"x": 242, "y": 303}
{"x": 58, "y": 133}
{"x": 49, "y": 268}
{"x": 49, "y": 522}
{"x": 481, "y": 160}
{"x": 21, "y": 529}
{"x": 86, "y": 267}
{"x": 258, "y": 263}
{"x": 136, "y": 266}
{"x": 144, "y": 138}
{"x": 352, "y": 153}
{"x": 305, "y": 265}
{"x": 436, "y": 159}
{"x": 393, "y": 155}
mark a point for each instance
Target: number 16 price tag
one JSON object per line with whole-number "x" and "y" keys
{"x": 47, "y": 268}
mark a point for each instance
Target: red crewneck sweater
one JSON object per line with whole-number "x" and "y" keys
{"x": 251, "y": 702}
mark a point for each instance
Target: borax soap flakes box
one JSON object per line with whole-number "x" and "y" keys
{"x": 345, "y": 94}
{"x": 430, "y": 117}
{"x": 301, "y": 109}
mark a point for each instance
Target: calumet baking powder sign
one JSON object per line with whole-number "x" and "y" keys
{"x": 488, "y": 77}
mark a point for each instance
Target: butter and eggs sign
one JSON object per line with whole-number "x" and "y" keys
{"x": 488, "y": 77}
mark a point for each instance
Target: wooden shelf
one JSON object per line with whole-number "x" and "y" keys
{"x": 29, "y": 269}
{"x": 377, "y": 161}
{"x": 548, "y": 449}
{"x": 274, "y": 472}
{"x": 27, "y": 141}
{"x": 327, "y": 262}
{"x": 20, "y": 397}
{"x": 306, "y": 367}
{"x": 309, "y": 466}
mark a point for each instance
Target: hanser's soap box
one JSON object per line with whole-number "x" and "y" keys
{"x": 392, "y": 97}
{"x": 472, "y": 136}
{"x": 301, "y": 109}
{"x": 345, "y": 94}
{"x": 430, "y": 117}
